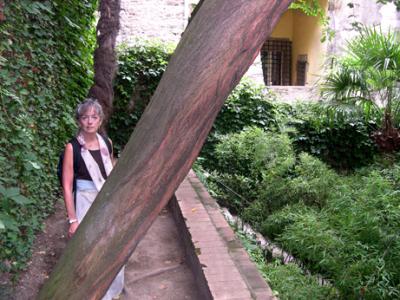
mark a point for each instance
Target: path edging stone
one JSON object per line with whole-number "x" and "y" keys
{"x": 219, "y": 262}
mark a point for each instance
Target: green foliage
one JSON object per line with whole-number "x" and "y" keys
{"x": 310, "y": 182}
{"x": 244, "y": 160}
{"x": 313, "y": 8}
{"x": 340, "y": 138}
{"x": 246, "y": 106}
{"x": 140, "y": 68}
{"x": 46, "y": 58}
{"x": 368, "y": 75}
{"x": 287, "y": 281}
{"x": 352, "y": 240}
{"x": 343, "y": 227}
{"x": 262, "y": 166}
{"x": 395, "y": 2}
{"x": 292, "y": 284}
{"x": 309, "y": 7}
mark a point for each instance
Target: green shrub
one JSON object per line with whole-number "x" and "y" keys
{"x": 342, "y": 140}
{"x": 232, "y": 190}
{"x": 310, "y": 182}
{"x": 313, "y": 182}
{"x": 353, "y": 240}
{"x": 292, "y": 284}
{"x": 287, "y": 281}
{"x": 256, "y": 153}
{"x": 247, "y": 106}
{"x": 343, "y": 227}
{"x": 140, "y": 68}
{"x": 276, "y": 223}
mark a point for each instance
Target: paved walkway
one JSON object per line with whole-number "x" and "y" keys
{"x": 191, "y": 252}
{"x": 158, "y": 268}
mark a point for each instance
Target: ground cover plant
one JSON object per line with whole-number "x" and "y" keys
{"x": 287, "y": 281}
{"x": 343, "y": 227}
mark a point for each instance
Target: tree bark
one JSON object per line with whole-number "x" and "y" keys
{"x": 104, "y": 56}
{"x": 217, "y": 48}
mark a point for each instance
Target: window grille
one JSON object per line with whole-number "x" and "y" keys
{"x": 276, "y": 57}
{"x": 301, "y": 70}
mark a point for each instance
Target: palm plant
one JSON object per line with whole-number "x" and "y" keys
{"x": 367, "y": 79}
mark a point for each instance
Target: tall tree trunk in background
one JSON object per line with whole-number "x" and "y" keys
{"x": 215, "y": 51}
{"x": 104, "y": 56}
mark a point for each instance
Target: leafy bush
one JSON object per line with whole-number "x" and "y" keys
{"x": 276, "y": 223}
{"x": 140, "y": 68}
{"x": 232, "y": 190}
{"x": 253, "y": 152}
{"x": 287, "y": 281}
{"x": 247, "y": 106}
{"x": 292, "y": 284}
{"x": 367, "y": 76}
{"x": 310, "y": 182}
{"x": 313, "y": 182}
{"x": 343, "y": 227}
{"x": 341, "y": 139}
{"x": 45, "y": 62}
{"x": 353, "y": 240}
{"x": 245, "y": 159}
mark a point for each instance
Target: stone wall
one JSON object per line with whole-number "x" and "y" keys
{"x": 343, "y": 17}
{"x": 167, "y": 19}
{"x": 162, "y": 19}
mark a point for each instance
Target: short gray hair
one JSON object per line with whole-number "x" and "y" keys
{"x": 86, "y": 104}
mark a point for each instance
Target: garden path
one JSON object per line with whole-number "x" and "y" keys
{"x": 156, "y": 270}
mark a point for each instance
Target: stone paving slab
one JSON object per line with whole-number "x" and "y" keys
{"x": 158, "y": 268}
{"x": 221, "y": 266}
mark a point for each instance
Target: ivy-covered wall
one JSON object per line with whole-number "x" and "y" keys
{"x": 45, "y": 69}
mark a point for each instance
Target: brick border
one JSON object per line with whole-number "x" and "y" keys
{"x": 220, "y": 264}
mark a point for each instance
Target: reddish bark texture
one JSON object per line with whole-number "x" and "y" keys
{"x": 2, "y": 16}
{"x": 104, "y": 55}
{"x": 215, "y": 51}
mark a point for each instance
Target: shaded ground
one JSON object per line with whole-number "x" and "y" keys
{"x": 47, "y": 248}
{"x": 156, "y": 270}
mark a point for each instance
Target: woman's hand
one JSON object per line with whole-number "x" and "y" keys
{"x": 72, "y": 228}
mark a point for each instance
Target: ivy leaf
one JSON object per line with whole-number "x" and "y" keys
{"x": 70, "y": 23}
{"x": 21, "y": 200}
{"x": 35, "y": 165}
{"x": 10, "y": 192}
{"x": 2, "y": 227}
{"x": 8, "y": 222}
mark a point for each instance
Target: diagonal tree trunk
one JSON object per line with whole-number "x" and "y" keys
{"x": 217, "y": 48}
{"x": 104, "y": 56}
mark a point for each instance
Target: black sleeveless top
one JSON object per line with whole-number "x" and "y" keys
{"x": 83, "y": 172}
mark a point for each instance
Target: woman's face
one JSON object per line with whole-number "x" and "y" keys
{"x": 90, "y": 121}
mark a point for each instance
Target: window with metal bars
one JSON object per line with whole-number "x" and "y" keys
{"x": 276, "y": 56}
{"x": 301, "y": 70}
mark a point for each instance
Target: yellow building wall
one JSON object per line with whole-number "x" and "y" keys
{"x": 305, "y": 32}
{"x": 284, "y": 28}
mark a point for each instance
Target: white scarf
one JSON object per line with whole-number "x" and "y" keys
{"x": 91, "y": 164}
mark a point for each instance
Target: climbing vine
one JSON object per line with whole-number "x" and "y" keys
{"x": 313, "y": 8}
{"x": 45, "y": 62}
{"x": 395, "y": 2}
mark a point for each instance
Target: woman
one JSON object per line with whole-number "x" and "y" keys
{"x": 94, "y": 164}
